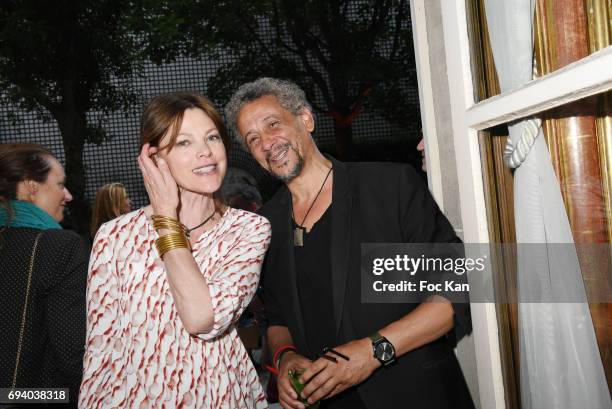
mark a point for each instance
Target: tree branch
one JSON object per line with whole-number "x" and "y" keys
{"x": 26, "y": 91}
{"x": 258, "y": 39}
{"x": 316, "y": 75}
{"x": 278, "y": 31}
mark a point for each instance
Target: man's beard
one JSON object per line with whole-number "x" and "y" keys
{"x": 293, "y": 173}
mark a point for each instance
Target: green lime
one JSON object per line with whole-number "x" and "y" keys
{"x": 294, "y": 378}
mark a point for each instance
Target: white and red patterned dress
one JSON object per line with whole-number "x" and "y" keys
{"x": 138, "y": 354}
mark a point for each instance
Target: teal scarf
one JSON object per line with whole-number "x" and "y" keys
{"x": 26, "y": 214}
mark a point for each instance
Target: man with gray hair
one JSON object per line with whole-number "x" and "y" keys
{"x": 382, "y": 355}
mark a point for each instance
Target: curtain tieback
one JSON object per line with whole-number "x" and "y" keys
{"x": 514, "y": 156}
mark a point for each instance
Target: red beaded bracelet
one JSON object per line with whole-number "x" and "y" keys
{"x": 278, "y": 354}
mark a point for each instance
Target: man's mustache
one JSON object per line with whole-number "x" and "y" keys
{"x": 280, "y": 148}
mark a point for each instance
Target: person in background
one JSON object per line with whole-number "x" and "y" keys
{"x": 111, "y": 201}
{"x": 168, "y": 282}
{"x": 44, "y": 272}
{"x": 421, "y": 148}
{"x": 243, "y": 202}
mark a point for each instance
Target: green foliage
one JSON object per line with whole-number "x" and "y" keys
{"x": 67, "y": 57}
{"x": 71, "y": 61}
{"x": 343, "y": 52}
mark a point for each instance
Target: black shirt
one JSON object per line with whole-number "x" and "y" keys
{"x": 313, "y": 265}
{"x": 372, "y": 203}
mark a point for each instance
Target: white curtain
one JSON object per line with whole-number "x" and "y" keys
{"x": 560, "y": 363}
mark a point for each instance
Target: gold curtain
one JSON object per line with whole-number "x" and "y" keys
{"x": 499, "y": 199}
{"x": 579, "y": 137}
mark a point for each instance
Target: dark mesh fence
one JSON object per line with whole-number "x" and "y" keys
{"x": 115, "y": 159}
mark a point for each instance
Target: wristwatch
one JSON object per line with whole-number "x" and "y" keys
{"x": 384, "y": 350}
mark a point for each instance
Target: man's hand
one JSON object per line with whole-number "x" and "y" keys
{"x": 325, "y": 378}
{"x": 287, "y": 396}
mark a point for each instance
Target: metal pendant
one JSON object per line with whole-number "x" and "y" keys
{"x": 298, "y": 237}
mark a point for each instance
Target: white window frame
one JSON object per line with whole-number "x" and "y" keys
{"x": 588, "y": 76}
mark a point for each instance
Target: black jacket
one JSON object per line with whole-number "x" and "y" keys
{"x": 54, "y": 334}
{"x": 375, "y": 203}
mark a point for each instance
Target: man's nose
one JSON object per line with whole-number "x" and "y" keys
{"x": 267, "y": 142}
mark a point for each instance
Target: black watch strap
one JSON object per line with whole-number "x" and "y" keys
{"x": 375, "y": 337}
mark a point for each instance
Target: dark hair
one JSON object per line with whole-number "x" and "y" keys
{"x": 19, "y": 162}
{"x": 165, "y": 112}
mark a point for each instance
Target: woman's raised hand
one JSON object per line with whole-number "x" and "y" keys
{"x": 161, "y": 186}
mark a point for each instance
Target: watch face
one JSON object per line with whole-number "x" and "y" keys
{"x": 384, "y": 351}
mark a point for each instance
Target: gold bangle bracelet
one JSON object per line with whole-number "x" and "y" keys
{"x": 165, "y": 222}
{"x": 171, "y": 241}
{"x": 172, "y": 227}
